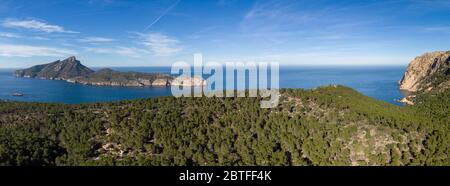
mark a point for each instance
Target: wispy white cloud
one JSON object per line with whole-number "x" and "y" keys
{"x": 35, "y": 25}
{"x": 160, "y": 44}
{"x": 275, "y": 15}
{"x": 276, "y": 22}
{"x": 9, "y": 50}
{"x": 100, "y": 50}
{"x": 9, "y": 35}
{"x": 96, "y": 40}
{"x": 131, "y": 51}
{"x": 206, "y": 31}
{"x": 16, "y": 36}
{"x": 156, "y": 44}
{"x": 283, "y": 22}
{"x": 122, "y": 51}
{"x": 39, "y": 38}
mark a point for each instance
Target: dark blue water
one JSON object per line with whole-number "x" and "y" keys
{"x": 377, "y": 82}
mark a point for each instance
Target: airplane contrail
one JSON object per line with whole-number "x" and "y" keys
{"x": 162, "y": 15}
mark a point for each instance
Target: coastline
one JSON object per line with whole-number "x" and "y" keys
{"x": 380, "y": 84}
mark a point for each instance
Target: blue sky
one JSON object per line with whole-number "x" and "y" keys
{"x": 161, "y": 32}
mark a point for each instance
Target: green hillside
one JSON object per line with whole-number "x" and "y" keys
{"x": 330, "y": 125}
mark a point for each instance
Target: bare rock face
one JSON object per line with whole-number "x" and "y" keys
{"x": 58, "y": 70}
{"x": 188, "y": 81}
{"x": 144, "y": 82}
{"x": 161, "y": 82}
{"x": 427, "y": 73}
{"x": 408, "y": 100}
{"x": 425, "y": 69}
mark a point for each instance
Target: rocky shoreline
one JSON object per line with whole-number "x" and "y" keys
{"x": 72, "y": 71}
{"x": 189, "y": 82}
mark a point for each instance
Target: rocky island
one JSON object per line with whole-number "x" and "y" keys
{"x": 429, "y": 72}
{"x": 72, "y": 71}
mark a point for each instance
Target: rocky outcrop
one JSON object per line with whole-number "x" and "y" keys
{"x": 426, "y": 73}
{"x": 72, "y": 71}
{"x": 58, "y": 70}
{"x": 161, "y": 82}
{"x": 407, "y": 100}
{"x": 188, "y": 81}
{"x": 421, "y": 71}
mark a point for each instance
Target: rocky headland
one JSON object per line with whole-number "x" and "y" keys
{"x": 429, "y": 72}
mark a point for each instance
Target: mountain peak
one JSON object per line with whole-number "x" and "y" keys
{"x": 64, "y": 69}
{"x": 71, "y": 59}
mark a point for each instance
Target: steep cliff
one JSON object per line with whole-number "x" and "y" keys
{"x": 427, "y": 73}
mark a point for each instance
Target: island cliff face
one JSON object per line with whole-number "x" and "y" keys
{"x": 428, "y": 72}
{"x": 58, "y": 70}
{"x": 72, "y": 71}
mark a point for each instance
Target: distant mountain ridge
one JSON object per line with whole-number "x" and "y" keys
{"x": 72, "y": 71}
{"x": 63, "y": 70}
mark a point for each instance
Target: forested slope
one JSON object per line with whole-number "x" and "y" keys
{"x": 330, "y": 125}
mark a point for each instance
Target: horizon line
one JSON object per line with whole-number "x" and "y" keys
{"x": 281, "y": 65}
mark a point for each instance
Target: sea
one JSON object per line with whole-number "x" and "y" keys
{"x": 379, "y": 82}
